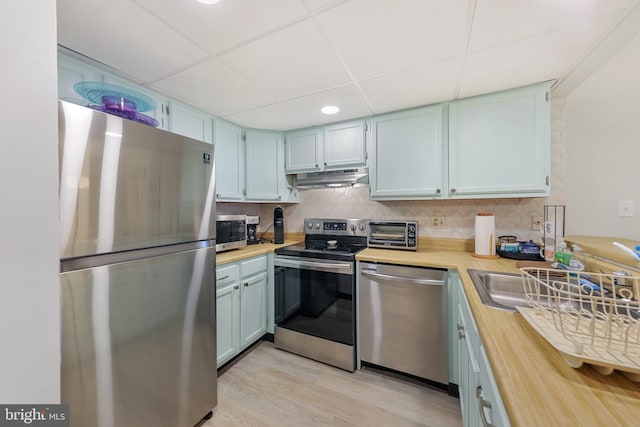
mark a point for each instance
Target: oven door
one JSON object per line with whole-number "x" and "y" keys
{"x": 315, "y": 297}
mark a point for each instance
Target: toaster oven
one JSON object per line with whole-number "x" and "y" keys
{"x": 393, "y": 235}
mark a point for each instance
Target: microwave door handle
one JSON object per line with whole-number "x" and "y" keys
{"x": 430, "y": 282}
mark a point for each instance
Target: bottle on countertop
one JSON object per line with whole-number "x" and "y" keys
{"x": 562, "y": 254}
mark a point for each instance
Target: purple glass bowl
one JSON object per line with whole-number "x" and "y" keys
{"x": 120, "y": 106}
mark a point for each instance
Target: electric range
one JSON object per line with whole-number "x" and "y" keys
{"x": 315, "y": 291}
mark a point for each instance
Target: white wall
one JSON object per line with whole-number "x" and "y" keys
{"x": 603, "y": 148}
{"x": 29, "y": 295}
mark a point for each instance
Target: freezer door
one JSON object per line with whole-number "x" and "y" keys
{"x": 139, "y": 341}
{"x": 125, "y": 185}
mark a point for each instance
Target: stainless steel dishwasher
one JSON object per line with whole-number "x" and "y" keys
{"x": 403, "y": 319}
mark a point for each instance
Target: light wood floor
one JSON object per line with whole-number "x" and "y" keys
{"x": 270, "y": 387}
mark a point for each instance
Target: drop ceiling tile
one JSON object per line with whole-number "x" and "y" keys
{"x": 123, "y": 36}
{"x": 305, "y": 111}
{"x": 497, "y": 21}
{"x": 292, "y": 62}
{"x": 227, "y": 24}
{"x": 535, "y": 59}
{"x": 424, "y": 85}
{"x": 375, "y": 37}
{"x": 213, "y": 87}
{"x": 322, "y": 4}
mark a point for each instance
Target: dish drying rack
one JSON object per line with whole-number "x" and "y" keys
{"x": 588, "y": 317}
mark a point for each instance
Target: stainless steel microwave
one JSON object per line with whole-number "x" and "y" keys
{"x": 231, "y": 232}
{"x": 393, "y": 235}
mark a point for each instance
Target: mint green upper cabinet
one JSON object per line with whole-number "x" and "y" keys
{"x": 344, "y": 145}
{"x": 71, "y": 72}
{"x": 405, "y": 158}
{"x": 262, "y": 165}
{"x": 303, "y": 151}
{"x": 499, "y": 144}
{"x": 229, "y": 159}
{"x": 188, "y": 121}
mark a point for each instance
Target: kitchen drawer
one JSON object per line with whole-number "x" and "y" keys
{"x": 227, "y": 275}
{"x": 253, "y": 266}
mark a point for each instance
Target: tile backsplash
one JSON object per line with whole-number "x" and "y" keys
{"x": 513, "y": 216}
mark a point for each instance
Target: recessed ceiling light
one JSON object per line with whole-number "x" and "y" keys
{"x": 329, "y": 109}
{"x": 209, "y": 1}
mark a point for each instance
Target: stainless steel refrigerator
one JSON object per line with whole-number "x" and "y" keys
{"x": 137, "y": 272}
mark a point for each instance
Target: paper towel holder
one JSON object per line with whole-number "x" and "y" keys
{"x": 492, "y": 239}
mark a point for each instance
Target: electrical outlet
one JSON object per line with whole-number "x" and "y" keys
{"x": 625, "y": 208}
{"x": 536, "y": 223}
{"x": 437, "y": 222}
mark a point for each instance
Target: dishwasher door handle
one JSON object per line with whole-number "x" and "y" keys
{"x": 430, "y": 282}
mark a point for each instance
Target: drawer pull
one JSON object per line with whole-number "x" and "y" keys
{"x": 484, "y": 404}
{"x": 222, "y": 278}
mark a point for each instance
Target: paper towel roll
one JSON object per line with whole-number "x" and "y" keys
{"x": 485, "y": 234}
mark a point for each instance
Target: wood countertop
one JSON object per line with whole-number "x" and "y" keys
{"x": 250, "y": 251}
{"x": 537, "y": 386}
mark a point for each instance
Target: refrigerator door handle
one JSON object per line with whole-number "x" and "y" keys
{"x": 81, "y": 263}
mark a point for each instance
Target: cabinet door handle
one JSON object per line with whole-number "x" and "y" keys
{"x": 453, "y": 190}
{"x": 483, "y": 404}
{"x": 437, "y": 191}
{"x": 246, "y": 284}
{"x": 222, "y": 278}
{"x": 236, "y": 287}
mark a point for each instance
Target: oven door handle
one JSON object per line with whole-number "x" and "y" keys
{"x": 341, "y": 268}
{"x": 430, "y": 282}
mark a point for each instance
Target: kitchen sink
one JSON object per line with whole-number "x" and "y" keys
{"x": 499, "y": 290}
{"x": 505, "y": 291}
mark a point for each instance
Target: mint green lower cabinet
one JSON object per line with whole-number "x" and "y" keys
{"x": 480, "y": 400}
{"x": 253, "y": 324}
{"x": 227, "y": 319}
{"x": 227, "y": 312}
{"x": 406, "y": 154}
{"x": 241, "y": 305}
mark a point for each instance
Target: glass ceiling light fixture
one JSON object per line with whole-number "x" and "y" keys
{"x": 329, "y": 109}
{"x": 208, "y": 1}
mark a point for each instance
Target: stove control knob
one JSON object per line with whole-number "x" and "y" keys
{"x": 317, "y": 226}
{"x": 353, "y": 227}
{"x": 309, "y": 226}
{"x": 362, "y": 227}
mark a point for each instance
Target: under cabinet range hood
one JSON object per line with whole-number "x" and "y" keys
{"x": 355, "y": 177}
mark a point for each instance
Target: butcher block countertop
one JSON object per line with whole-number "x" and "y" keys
{"x": 253, "y": 250}
{"x": 537, "y": 387}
